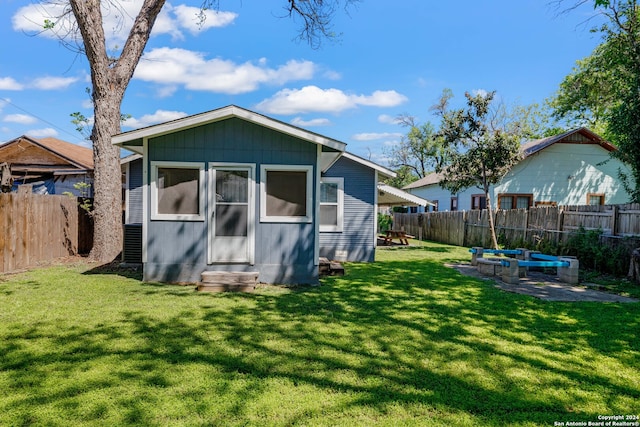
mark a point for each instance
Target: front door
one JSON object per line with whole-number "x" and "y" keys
{"x": 231, "y": 201}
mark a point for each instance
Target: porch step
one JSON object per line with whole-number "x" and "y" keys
{"x": 330, "y": 268}
{"x": 223, "y": 281}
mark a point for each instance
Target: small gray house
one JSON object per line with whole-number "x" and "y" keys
{"x": 233, "y": 190}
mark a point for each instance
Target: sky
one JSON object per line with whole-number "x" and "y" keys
{"x": 390, "y": 58}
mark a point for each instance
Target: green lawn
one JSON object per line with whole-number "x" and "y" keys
{"x": 404, "y": 341}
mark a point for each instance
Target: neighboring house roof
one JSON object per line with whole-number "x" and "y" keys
{"x": 132, "y": 140}
{"x": 388, "y": 195}
{"x": 41, "y": 155}
{"x": 432, "y": 178}
{"x": 575, "y": 136}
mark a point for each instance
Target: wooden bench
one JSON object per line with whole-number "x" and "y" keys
{"x": 396, "y": 234}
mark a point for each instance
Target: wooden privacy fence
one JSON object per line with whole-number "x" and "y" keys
{"x": 36, "y": 228}
{"x": 518, "y": 226}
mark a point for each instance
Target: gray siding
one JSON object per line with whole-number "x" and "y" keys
{"x": 357, "y": 237}
{"x": 177, "y": 250}
{"x": 134, "y": 213}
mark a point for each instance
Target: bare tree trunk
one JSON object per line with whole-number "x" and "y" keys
{"x": 492, "y": 225}
{"x": 110, "y": 78}
{"x": 634, "y": 266}
{"x": 107, "y": 220}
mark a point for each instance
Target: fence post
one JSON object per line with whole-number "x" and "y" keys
{"x": 614, "y": 220}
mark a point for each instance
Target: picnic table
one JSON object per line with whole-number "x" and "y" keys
{"x": 396, "y": 234}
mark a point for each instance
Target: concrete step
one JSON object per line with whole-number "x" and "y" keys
{"x": 224, "y": 281}
{"x": 330, "y": 268}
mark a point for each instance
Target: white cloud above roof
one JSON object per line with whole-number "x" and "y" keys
{"x": 180, "y": 67}
{"x": 372, "y": 136}
{"x": 42, "y": 133}
{"x": 23, "y": 119}
{"x": 314, "y": 99}
{"x": 299, "y": 121}
{"x": 160, "y": 116}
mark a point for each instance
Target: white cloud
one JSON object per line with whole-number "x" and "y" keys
{"x": 8, "y": 83}
{"x": 374, "y": 136}
{"x": 117, "y": 20}
{"x": 389, "y": 120}
{"x": 52, "y": 83}
{"x": 42, "y": 133}
{"x": 160, "y": 116}
{"x": 181, "y": 67}
{"x": 23, "y": 119}
{"x": 332, "y": 75}
{"x": 313, "y": 99}
{"x": 299, "y": 121}
{"x": 194, "y": 19}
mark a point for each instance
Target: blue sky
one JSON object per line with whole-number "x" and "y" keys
{"x": 389, "y": 60}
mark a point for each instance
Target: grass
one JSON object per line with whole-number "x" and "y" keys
{"x": 404, "y": 341}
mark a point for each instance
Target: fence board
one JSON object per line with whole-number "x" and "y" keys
{"x": 535, "y": 225}
{"x": 36, "y": 228}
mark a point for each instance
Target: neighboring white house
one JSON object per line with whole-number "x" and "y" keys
{"x": 573, "y": 168}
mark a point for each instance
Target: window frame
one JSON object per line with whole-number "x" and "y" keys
{"x": 479, "y": 197}
{"x": 514, "y": 199}
{"x": 339, "y": 227}
{"x": 453, "y": 207}
{"x": 308, "y": 217}
{"x": 599, "y": 195}
{"x": 155, "y": 215}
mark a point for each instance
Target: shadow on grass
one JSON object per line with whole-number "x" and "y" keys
{"x": 409, "y": 334}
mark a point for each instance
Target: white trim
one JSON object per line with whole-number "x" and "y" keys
{"x": 406, "y": 198}
{"x": 316, "y": 209}
{"x": 251, "y": 214}
{"x": 375, "y": 210}
{"x": 155, "y": 216}
{"x": 145, "y": 198}
{"x": 127, "y": 209}
{"x": 222, "y": 114}
{"x": 309, "y": 209}
{"x": 339, "y": 227}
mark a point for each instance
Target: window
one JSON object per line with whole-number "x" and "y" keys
{"x": 177, "y": 191}
{"x": 435, "y": 205}
{"x": 478, "y": 201}
{"x": 595, "y": 199}
{"x": 331, "y": 204}
{"x": 515, "y": 201}
{"x": 454, "y": 204}
{"x": 286, "y": 193}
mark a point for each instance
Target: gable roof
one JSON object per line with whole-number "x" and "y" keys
{"x": 575, "y": 136}
{"x": 132, "y": 140}
{"x": 76, "y": 155}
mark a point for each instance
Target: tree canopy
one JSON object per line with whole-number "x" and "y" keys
{"x": 482, "y": 150}
{"x": 603, "y": 90}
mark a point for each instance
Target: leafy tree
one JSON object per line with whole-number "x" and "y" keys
{"x": 603, "y": 90}
{"x": 419, "y": 152}
{"x": 483, "y": 149}
{"x": 110, "y": 75}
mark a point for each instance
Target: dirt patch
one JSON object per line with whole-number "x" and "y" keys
{"x": 545, "y": 287}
